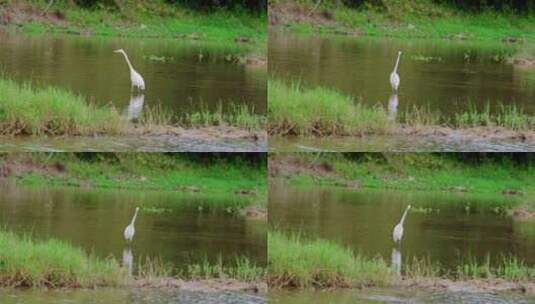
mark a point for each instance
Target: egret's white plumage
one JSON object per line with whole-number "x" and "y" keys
{"x": 394, "y": 77}
{"x": 130, "y": 230}
{"x": 397, "y": 235}
{"x": 135, "y": 77}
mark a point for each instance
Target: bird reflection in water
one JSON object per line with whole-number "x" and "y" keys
{"x": 135, "y": 107}
{"x": 128, "y": 260}
{"x": 393, "y": 102}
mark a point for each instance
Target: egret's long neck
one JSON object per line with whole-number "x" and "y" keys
{"x": 395, "y": 67}
{"x": 403, "y": 217}
{"x": 128, "y": 61}
{"x": 134, "y": 218}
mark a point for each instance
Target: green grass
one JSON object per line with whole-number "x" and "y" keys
{"x": 295, "y": 262}
{"x": 294, "y": 110}
{"x": 422, "y": 171}
{"x": 239, "y": 115}
{"x": 420, "y": 19}
{"x": 242, "y": 269}
{"x": 26, "y": 110}
{"x": 53, "y": 264}
{"x": 142, "y": 171}
{"x": 154, "y": 19}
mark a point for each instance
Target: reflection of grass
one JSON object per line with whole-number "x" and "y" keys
{"x": 296, "y": 262}
{"x": 53, "y": 264}
{"x": 143, "y": 171}
{"x": 242, "y": 269}
{"x": 25, "y": 110}
{"x": 294, "y": 110}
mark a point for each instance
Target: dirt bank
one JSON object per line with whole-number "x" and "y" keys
{"x": 208, "y": 285}
{"x": 210, "y": 133}
{"x": 477, "y": 286}
{"x": 467, "y": 134}
{"x": 22, "y": 13}
{"x": 291, "y": 13}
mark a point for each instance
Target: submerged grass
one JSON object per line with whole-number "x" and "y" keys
{"x": 295, "y": 262}
{"x": 295, "y": 110}
{"x": 26, "y": 110}
{"x": 242, "y": 269}
{"x": 239, "y": 115}
{"x": 53, "y": 264}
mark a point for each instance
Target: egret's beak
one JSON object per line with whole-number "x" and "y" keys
{"x": 117, "y": 51}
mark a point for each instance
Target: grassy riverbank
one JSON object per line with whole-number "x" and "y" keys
{"x": 25, "y": 262}
{"x": 146, "y": 19}
{"x": 297, "y": 262}
{"x": 296, "y": 110}
{"x": 28, "y": 110}
{"x": 141, "y": 171}
{"x": 421, "y": 171}
{"x": 53, "y": 264}
{"x": 404, "y": 19}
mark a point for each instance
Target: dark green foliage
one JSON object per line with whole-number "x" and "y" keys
{"x": 518, "y": 6}
{"x": 253, "y": 5}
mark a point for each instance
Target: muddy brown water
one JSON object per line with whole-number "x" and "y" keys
{"x": 444, "y": 75}
{"x": 176, "y": 228}
{"x": 180, "y": 76}
{"x": 448, "y": 229}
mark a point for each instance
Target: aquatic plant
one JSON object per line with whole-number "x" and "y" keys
{"x": 242, "y": 269}
{"x": 238, "y": 115}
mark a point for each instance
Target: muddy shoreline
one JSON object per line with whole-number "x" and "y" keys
{"x": 148, "y": 139}
{"x": 205, "y": 285}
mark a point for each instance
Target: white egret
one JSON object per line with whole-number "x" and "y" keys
{"x": 135, "y": 77}
{"x": 397, "y": 235}
{"x": 129, "y": 230}
{"x": 394, "y": 77}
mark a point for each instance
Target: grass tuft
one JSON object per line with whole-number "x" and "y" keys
{"x": 52, "y": 263}
{"x": 294, "y": 110}
{"x": 298, "y": 263}
{"x": 25, "y": 110}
